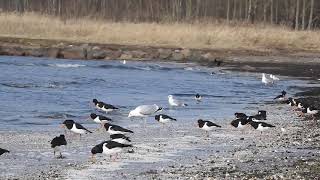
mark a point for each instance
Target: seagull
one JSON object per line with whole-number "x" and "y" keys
{"x": 262, "y": 115}
{"x": 56, "y": 142}
{"x": 144, "y": 110}
{"x": 281, "y": 97}
{"x": 2, "y": 151}
{"x": 273, "y": 77}
{"x": 114, "y": 129}
{"x": 75, "y": 127}
{"x": 162, "y": 118}
{"x": 120, "y": 138}
{"x": 207, "y": 125}
{"x": 99, "y": 118}
{"x": 124, "y": 62}
{"x": 175, "y": 102}
{"x": 260, "y": 126}
{"x": 108, "y": 148}
{"x": 198, "y": 97}
{"x": 265, "y": 80}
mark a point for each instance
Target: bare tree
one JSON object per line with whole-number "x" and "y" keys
{"x": 303, "y": 14}
{"x": 311, "y": 15}
{"x": 228, "y": 10}
{"x": 297, "y": 14}
{"x": 271, "y": 11}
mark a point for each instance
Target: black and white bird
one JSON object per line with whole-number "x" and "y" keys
{"x": 75, "y": 127}
{"x": 120, "y": 138}
{"x": 2, "y": 151}
{"x": 207, "y": 125}
{"x": 300, "y": 105}
{"x": 198, "y": 97}
{"x": 262, "y": 115}
{"x": 240, "y": 122}
{"x": 56, "y": 143}
{"x": 108, "y": 148}
{"x": 240, "y": 115}
{"x": 114, "y": 129}
{"x": 260, "y": 126}
{"x": 281, "y": 97}
{"x": 97, "y": 103}
{"x": 108, "y": 108}
{"x": 103, "y": 106}
{"x": 290, "y": 102}
{"x": 162, "y": 118}
{"x": 99, "y": 118}
{"x": 312, "y": 110}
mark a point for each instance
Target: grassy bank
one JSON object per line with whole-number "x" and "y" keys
{"x": 197, "y": 35}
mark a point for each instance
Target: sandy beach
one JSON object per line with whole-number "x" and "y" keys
{"x": 181, "y": 152}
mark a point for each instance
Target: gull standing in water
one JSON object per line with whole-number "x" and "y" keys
{"x": 175, "y": 102}
{"x": 273, "y": 77}
{"x": 266, "y": 80}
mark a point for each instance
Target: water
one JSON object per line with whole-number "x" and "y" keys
{"x": 39, "y": 93}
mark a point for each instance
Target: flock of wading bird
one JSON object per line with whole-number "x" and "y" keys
{"x": 118, "y": 135}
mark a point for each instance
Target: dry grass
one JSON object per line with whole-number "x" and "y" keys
{"x": 197, "y": 35}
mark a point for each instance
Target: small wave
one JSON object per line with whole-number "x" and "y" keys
{"x": 55, "y": 116}
{"x": 188, "y": 69}
{"x": 19, "y": 85}
{"x": 67, "y": 65}
{"x": 108, "y": 66}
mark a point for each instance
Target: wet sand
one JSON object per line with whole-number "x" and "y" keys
{"x": 180, "y": 152}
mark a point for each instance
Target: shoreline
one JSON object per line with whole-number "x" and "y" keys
{"x": 297, "y": 151}
{"x": 298, "y": 63}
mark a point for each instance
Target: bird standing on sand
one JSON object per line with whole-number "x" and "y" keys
{"x": 108, "y": 148}
{"x": 260, "y": 126}
{"x": 262, "y": 115}
{"x": 75, "y": 127}
{"x": 175, "y": 102}
{"x": 144, "y": 110}
{"x": 162, "y": 118}
{"x": 240, "y": 115}
{"x": 207, "y": 126}
{"x": 2, "y": 151}
{"x": 114, "y": 129}
{"x": 56, "y": 143}
{"x": 120, "y": 138}
{"x": 240, "y": 122}
{"x": 99, "y": 118}
{"x": 266, "y": 80}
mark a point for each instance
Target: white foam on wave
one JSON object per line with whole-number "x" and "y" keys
{"x": 67, "y": 65}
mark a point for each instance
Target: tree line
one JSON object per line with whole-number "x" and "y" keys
{"x": 298, "y": 14}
